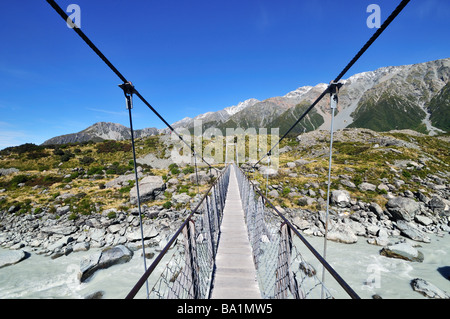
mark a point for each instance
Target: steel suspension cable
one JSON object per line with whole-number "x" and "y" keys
{"x": 83, "y": 36}
{"x": 366, "y": 46}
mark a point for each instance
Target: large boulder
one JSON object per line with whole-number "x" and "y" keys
{"x": 12, "y": 257}
{"x": 340, "y": 198}
{"x": 59, "y": 230}
{"x": 149, "y": 188}
{"x": 410, "y": 231}
{"x": 364, "y": 187}
{"x": 342, "y": 233}
{"x": 104, "y": 259}
{"x": 402, "y": 251}
{"x": 203, "y": 177}
{"x": 148, "y": 231}
{"x": 402, "y": 208}
{"x": 264, "y": 170}
{"x": 181, "y": 198}
{"x": 428, "y": 290}
{"x": 122, "y": 180}
{"x": 437, "y": 205}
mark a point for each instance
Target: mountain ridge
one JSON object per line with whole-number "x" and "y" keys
{"x": 101, "y": 131}
{"x": 415, "y": 96}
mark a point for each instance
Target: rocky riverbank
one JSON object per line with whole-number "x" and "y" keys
{"x": 45, "y": 234}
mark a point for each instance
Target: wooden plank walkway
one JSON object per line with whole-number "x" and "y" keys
{"x": 235, "y": 274}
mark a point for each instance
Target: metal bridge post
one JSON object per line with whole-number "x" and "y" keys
{"x": 334, "y": 90}
{"x": 191, "y": 259}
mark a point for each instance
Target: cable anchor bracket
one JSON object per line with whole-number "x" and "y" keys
{"x": 333, "y": 89}
{"x": 128, "y": 90}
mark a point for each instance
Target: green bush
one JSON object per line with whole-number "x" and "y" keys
{"x": 95, "y": 170}
{"x": 188, "y": 170}
{"x": 86, "y": 160}
{"x": 113, "y": 146}
{"x": 18, "y": 179}
{"x": 73, "y": 216}
{"x": 111, "y": 215}
{"x": 85, "y": 207}
{"x": 167, "y": 205}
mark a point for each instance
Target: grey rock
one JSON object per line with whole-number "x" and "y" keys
{"x": 436, "y": 204}
{"x": 104, "y": 259}
{"x": 340, "y": 198}
{"x": 8, "y": 171}
{"x": 423, "y": 220}
{"x": 402, "y": 251}
{"x": 342, "y": 233}
{"x": 59, "y": 230}
{"x": 364, "y": 187}
{"x": 290, "y": 165}
{"x": 357, "y": 228}
{"x": 59, "y": 243}
{"x": 83, "y": 246}
{"x": 97, "y": 234}
{"x": 149, "y": 188}
{"x": 95, "y": 295}
{"x": 62, "y": 210}
{"x": 375, "y": 208}
{"x": 115, "y": 228}
{"x": 273, "y": 193}
{"x": 122, "y": 180}
{"x": 428, "y": 290}
{"x": 148, "y": 232}
{"x": 301, "y": 162}
{"x": 268, "y": 171}
{"x": 155, "y": 162}
{"x": 12, "y": 257}
{"x": 348, "y": 183}
{"x": 181, "y": 199}
{"x": 402, "y": 208}
{"x": 409, "y": 230}
{"x": 203, "y": 177}
{"x": 301, "y": 223}
{"x": 306, "y": 201}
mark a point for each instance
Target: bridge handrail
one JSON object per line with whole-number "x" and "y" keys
{"x": 180, "y": 230}
{"x": 286, "y": 222}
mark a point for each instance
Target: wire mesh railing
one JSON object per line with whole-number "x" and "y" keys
{"x": 282, "y": 271}
{"x": 183, "y": 269}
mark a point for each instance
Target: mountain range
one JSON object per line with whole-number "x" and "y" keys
{"x": 413, "y": 97}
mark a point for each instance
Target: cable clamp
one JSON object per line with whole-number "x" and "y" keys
{"x": 128, "y": 90}
{"x": 333, "y": 88}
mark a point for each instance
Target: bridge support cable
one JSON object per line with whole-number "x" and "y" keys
{"x": 83, "y": 36}
{"x": 128, "y": 91}
{"x": 334, "y": 90}
{"x": 366, "y": 46}
{"x": 282, "y": 270}
{"x": 184, "y": 267}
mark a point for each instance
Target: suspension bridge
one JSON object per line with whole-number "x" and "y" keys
{"x": 235, "y": 244}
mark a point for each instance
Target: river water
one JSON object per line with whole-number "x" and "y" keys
{"x": 358, "y": 264}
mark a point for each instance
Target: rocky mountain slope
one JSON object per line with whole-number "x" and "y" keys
{"x": 101, "y": 131}
{"x": 394, "y": 97}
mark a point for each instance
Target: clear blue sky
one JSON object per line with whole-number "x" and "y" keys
{"x": 188, "y": 57}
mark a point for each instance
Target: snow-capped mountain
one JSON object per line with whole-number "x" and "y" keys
{"x": 413, "y": 97}
{"x": 213, "y": 117}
